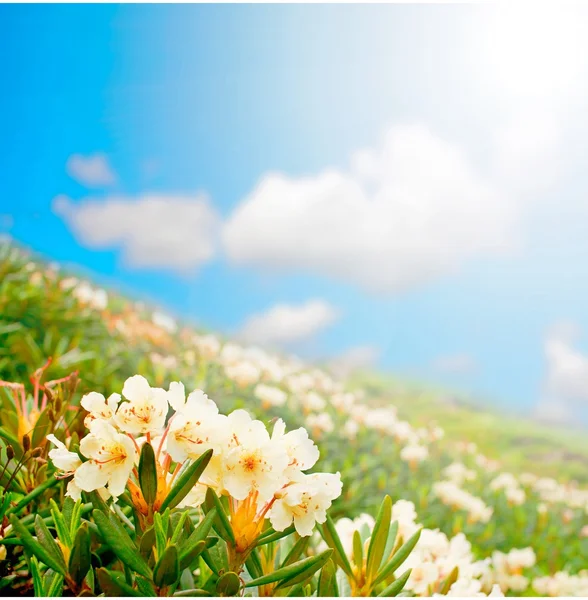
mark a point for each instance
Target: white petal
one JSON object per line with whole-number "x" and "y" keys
{"x": 136, "y": 388}
{"x": 304, "y": 524}
{"x": 55, "y": 441}
{"x": 176, "y": 395}
{"x": 279, "y": 515}
{"x": 89, "y": 476}
{"x": 93, "y": 402}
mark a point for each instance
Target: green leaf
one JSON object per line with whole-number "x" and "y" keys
{"x": 451, "y": 579}
{"x": 253, "y": 564}
{"x": 221, "y": 523}
{"x": 55, "y": 587}
{"x": 80, "y": 558}
{"x": 192, "y": 593}
{"x": 357, "y": 550}
{"x": 274, "y": 536}
{"x": 38, "y": 588}
{"x": 46, "y": 540}
{"x": 167, "y": 569}
{"x": 331, "y": 537}
{"x": 228, "y": 584}
{"x": 295, "y": 573}
{"x": 51, "y": 481}
{"x": 327, "y": 583}
{"x": 179, "y": 528}
{"x": 145, "y": 587}
{"x": 396, "y": 586}
{"x": 112, "y": 584}
{"x": 379, "y": 539}
{"x": 121, "y": 546}
{"x": 160, "y": 533}
{"x": 189, "y": 556}
{"x": 147, "y": 542}
{"x": 42, "y": 429}
{"x": 398, "y": 558}
{"x": 297, "y": 550}
{"x": 186, "y": 480}
{"x": 98, "y": 502}
{"x": 60, "y": 524}
{"x": 148, "y": 473}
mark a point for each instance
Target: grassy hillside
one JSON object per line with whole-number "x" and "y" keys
{"x": 520, "y": 444}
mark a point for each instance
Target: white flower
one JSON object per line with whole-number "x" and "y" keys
{"x": 146, "y": 410}
{"x": 346, "y": 528}
{"x": 301, "y": 450}
{"x": 270, "y": 395}
{"x": 165, "y": 322}
{"x": 99, "y": 407}
{"x": 208, "y": 346}
{"x": 313, "y": 402}
{"x": 253, "y": 462}
{"x": 305, "y": 502}
{"x": 67, "y": 462}
{"x": 243, "y": 373}
{"x": 414, "y": 453}
{"x": 322, "y": 422}
{"x": 404, "y": 512}
{"x": 196, "y": 426}
{"x": 112, "y": 456}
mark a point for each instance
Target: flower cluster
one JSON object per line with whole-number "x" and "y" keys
{"x": 265, "y": 476}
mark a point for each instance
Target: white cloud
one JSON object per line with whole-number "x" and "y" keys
{"x": 285, "y": 324}
{"x": 567, "y": 368}
{"x": 354, "y": 359}
{"x": 400, "y": 216}
{"x": 153, "y": 230}
{"x": 455, "y": 363}
{"x": 566, "y": 383}
{"x": 91, "y": 171}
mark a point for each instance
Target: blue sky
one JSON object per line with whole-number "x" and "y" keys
{"x": 187, "y": 100}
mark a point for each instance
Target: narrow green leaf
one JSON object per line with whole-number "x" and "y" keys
{"x": 148, "y": 473}
{"x": 221, "y": 523}
{"x": 60, "y": 525}
{"x": 38, "y": 588}
{"x": 124, "y": 550}
{"x": 46, "y": 540}
{"x": 199, "y": 534}
{"x": 379, "y": 539}
{"x": 167, "y": 569}
{"x": 55, "y": 586}
{"x": 398, "y": 558}
{"x": 160, "y": 534}
{"x": 331, "y": 537}
{"x": 189, "y": 556}
{"x": 327, "y": 583}
{"x": 145, "y": 587}
{"x": 291, "y": 572}
{"x": 451, "y": 579}
{"x": 80, "y": 558}
{"x": 396, "y": 586}
{"x": 253, "y": 564}
{"x": 186, "y": 480}
{"x": 50, "y": 482}
{"x": 304, "y": 575}
{"x": 297, "y": 550}
{"x": 357, "y": 550}
{"x": 179, "y": 528}
{"x": 274, "y": 536}
{"x": 114, "y": 585}
{"x": 192, "y": 593}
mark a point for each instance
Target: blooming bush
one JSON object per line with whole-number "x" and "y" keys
{"x": 117, "y": 484}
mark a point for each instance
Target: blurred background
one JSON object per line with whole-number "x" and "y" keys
{"x": 396, "y": 188}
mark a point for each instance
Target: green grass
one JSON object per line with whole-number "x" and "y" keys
{"x": 520, "y": 444}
